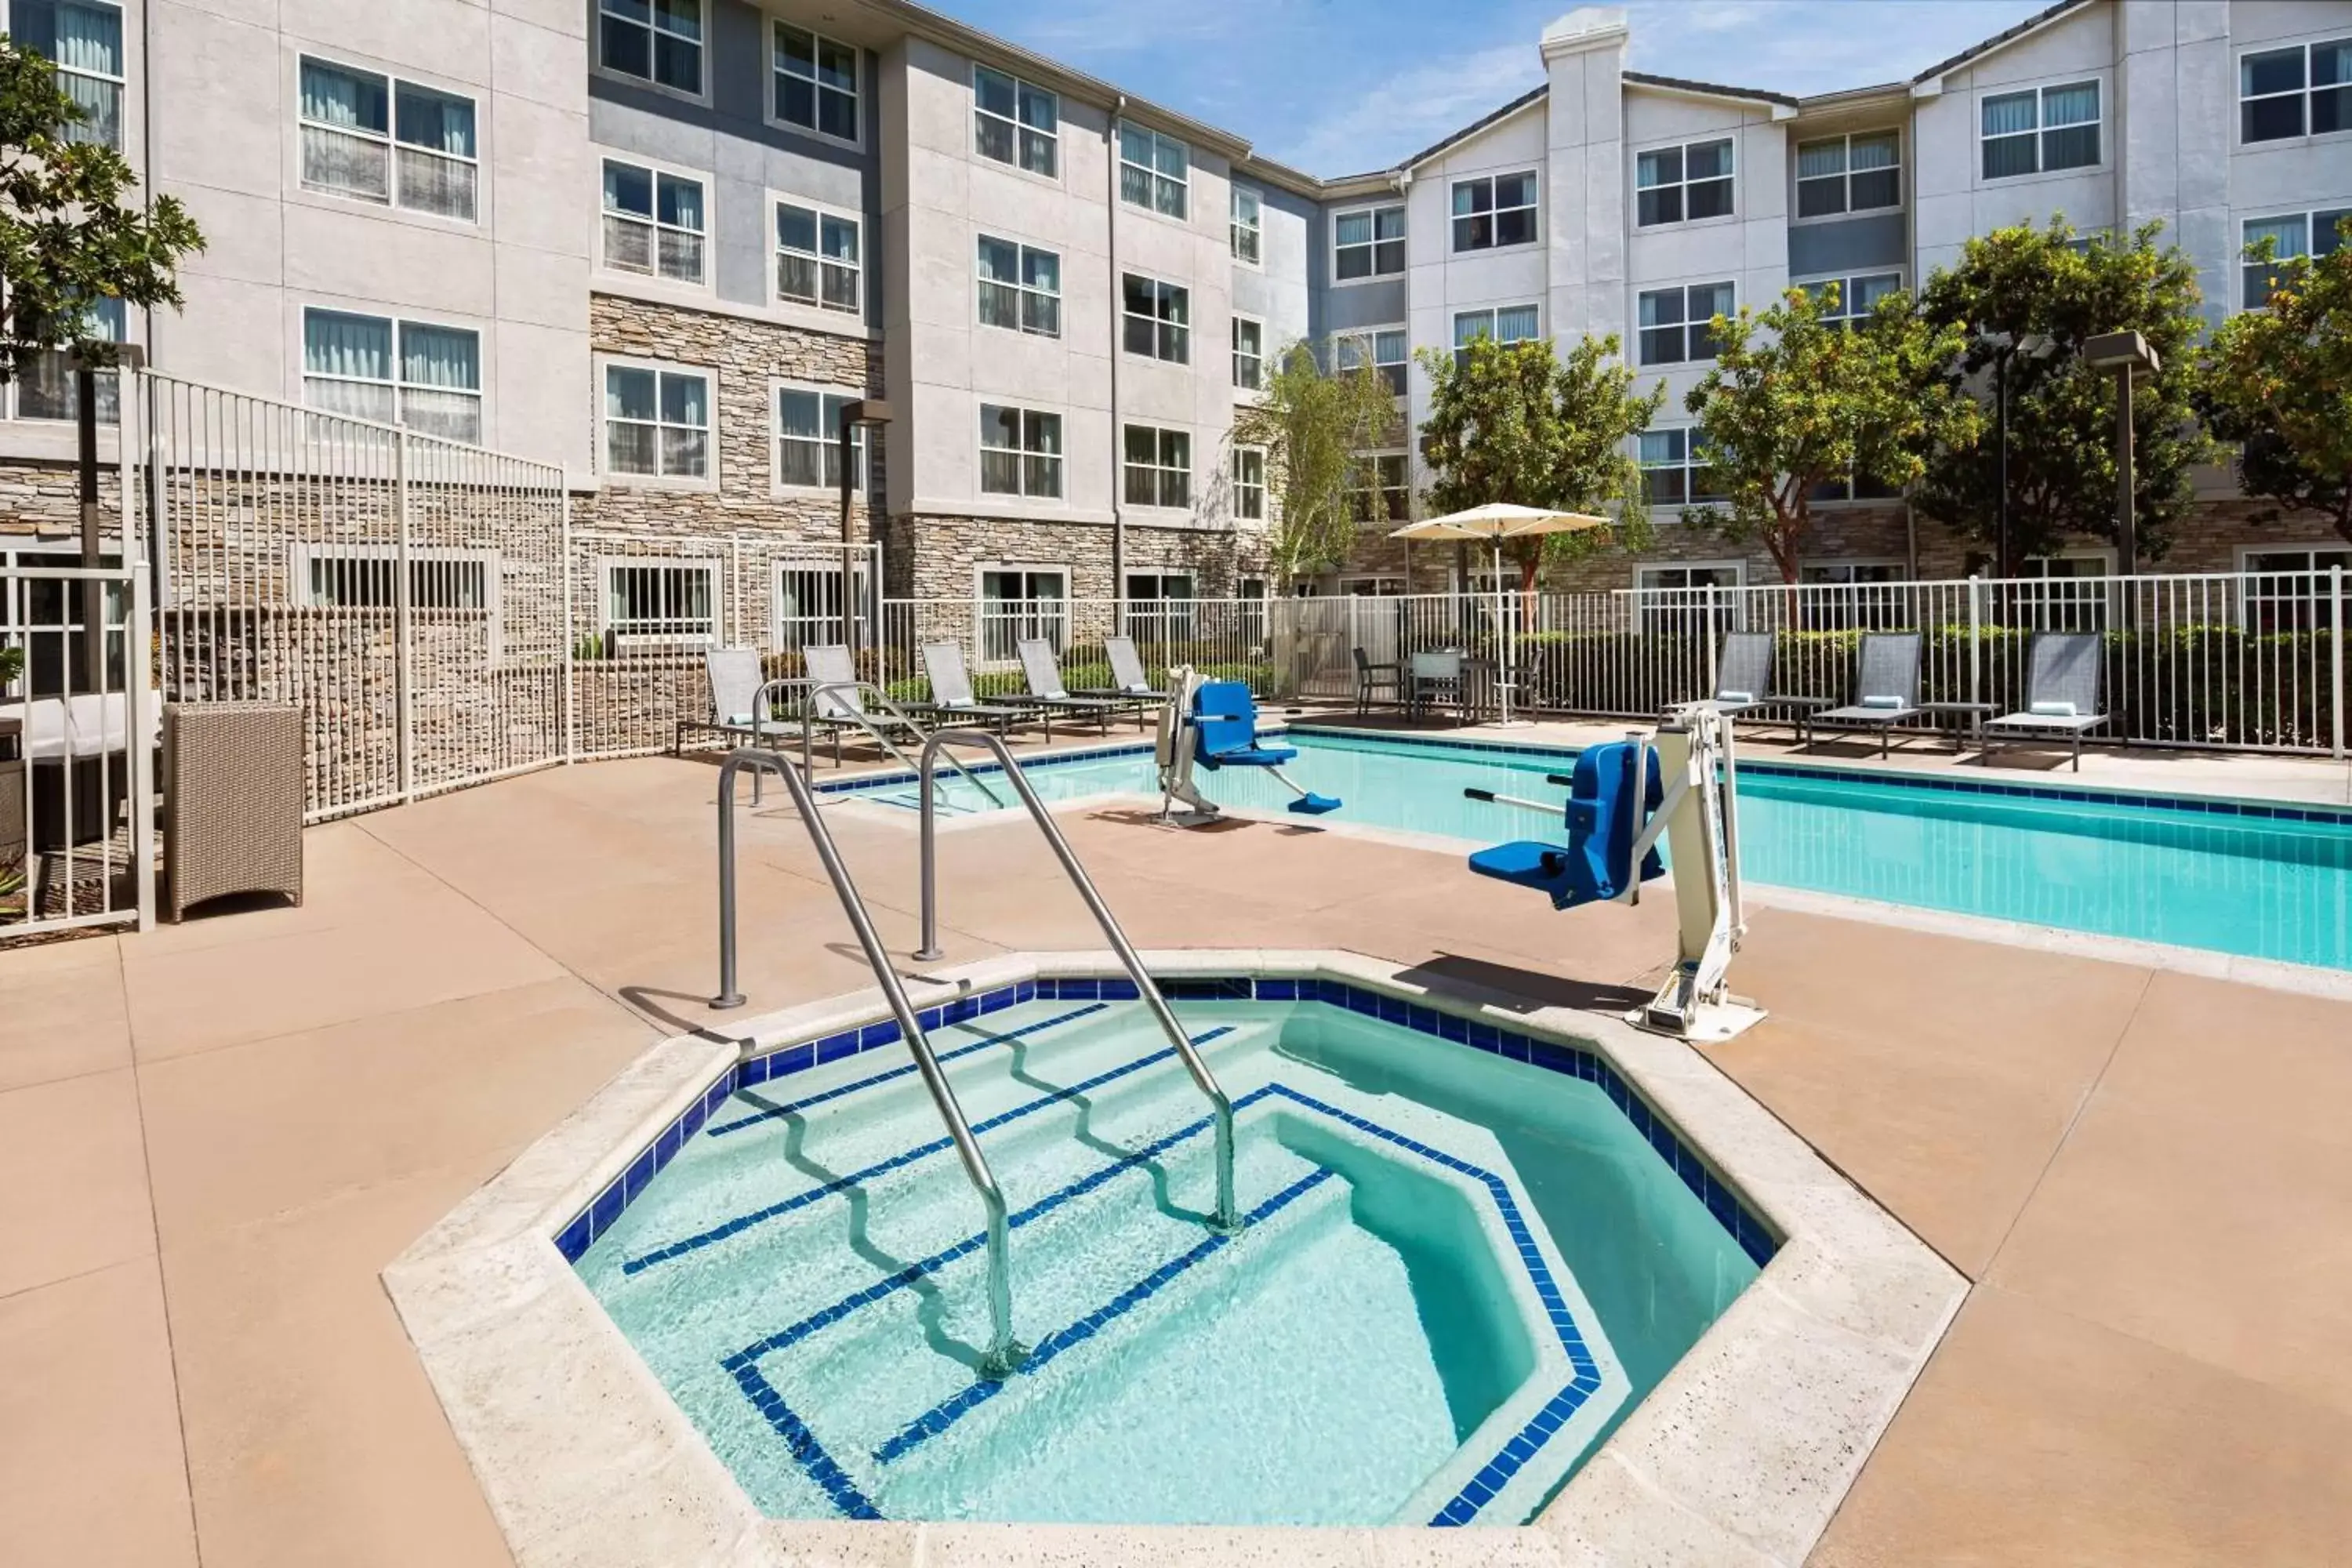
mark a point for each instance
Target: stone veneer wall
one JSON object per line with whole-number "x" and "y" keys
{"x": 43, "y": 499}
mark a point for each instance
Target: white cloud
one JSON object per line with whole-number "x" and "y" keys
{"x": 1405, "y": 112}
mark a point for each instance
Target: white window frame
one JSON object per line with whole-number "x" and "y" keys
{"x": 1023, "y": 291}
{"x": 1370, "y": 337}
{"x": 1845, "y": 175}
{"x": 401, "y": 387}
{"x": 2040, "y": 92}
{"x": 1681, "y": 185}
{"x": 701, "y": 90}
{"x": 301, "y": 557}
{"x": 706, "y": 566}
{"x": 2306, "y": 135}
{"x": 1652, "y": 616}
{"x": 1385, "y": 585}
{"x": 2249, "y": 597}
{"x": 389, "y": 140}
{"x": 860, "y": 607}
{"x": 1059, "y": 494}
{"x": 1161, "y": 324}
{"x": 860, "y": 441}
{"x": 777, "y": 250}
{"x": 1846, "y": 291}
{"x": 1369, "y": 461}
{"x": 1243, "y": 486}
{"x": 708, "y": 374}
{"x": 2309, "y": 217}
{"x": 1851, "y": 563}
{"x": 1641, "y": 355}
{"x": 773, "y": 27}
{"x": 1258, "y": 381}
{"x": 1016, "y": 124}
{"x": 1154, "y": 175}
{"x": 1493, "y": 314}
{"x": 1050, "y": 616}
{"x": 1160, "y": 466}
{"x": 56, "y": 367}
{"x": 1372, "y": 212}
{"x": 1534, "y": 208}
{"x": 119, "y": 82}
{"x": 657, "y": 172}
{"x": 1255, "y": 228}
{"x": 1737, "y": 568}
{"x": 1687, "y": 465}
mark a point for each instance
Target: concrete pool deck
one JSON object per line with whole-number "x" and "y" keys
{"x": 214, "y": 1137}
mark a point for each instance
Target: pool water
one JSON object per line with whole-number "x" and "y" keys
{"x": 2263, "y": 887}
{"x": 1460, "y": 1271}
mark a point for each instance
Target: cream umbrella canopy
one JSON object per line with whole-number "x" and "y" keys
{"x": 1495, "y": 523}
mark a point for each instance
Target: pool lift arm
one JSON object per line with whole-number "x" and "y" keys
{"x": 1212, "y": 724}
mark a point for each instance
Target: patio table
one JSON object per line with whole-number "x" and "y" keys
{"x": 1967, "y": 720}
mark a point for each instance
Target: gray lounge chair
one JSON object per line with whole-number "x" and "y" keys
{"x": 1743, "y": 682}
{"x": 1046, "y": 693}
{"x": 1885, "y": 687}
{"x": 952, "y": 697}
{"x": 735, "y": 679}
{"x": 827, "y": 665}
{"x": 1126, "y": 674}
{"x": 2062, "y": 693}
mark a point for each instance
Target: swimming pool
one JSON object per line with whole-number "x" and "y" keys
{"x": 2260, "y": 882}
{"x": 1469, "y": 1258}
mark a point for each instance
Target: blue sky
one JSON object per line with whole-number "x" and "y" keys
{"x": 1338, "y": 87}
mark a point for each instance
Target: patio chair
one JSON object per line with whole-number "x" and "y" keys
{"x": 952, "y": 697}
{"x": 735, "y": 681}
{"x": 1046, "y": 693}
{"x": 1435, "y": 674}
{"x": 1371, "y": 677}
{"x": 1885, "y": 688}
{"x": 2062, "y": 693}
{"x": 1743, "y": 682}
{"x": 828, "y": 664}
{"x": 1126, "y": 674}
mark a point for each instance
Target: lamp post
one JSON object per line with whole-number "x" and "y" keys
{"x": 2007, "y": 346}
{"x": 872, "y": 412}
{"x": 2125, "y": 353}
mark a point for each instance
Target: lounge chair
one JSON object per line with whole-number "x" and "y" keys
{"x": 735, "y": 679}
{"x": 1046, "y": 693}
{"x": 1885, "y": 687}
{"x": 1126, "y": 674}
{"x": 2062, "y": 693}
{"x": 1743, "y": 682}
{"x": 952, "y": 697}
{"x": 828, "y": 664}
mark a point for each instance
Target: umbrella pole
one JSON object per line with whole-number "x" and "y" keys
{"x": 1503, "y": 631}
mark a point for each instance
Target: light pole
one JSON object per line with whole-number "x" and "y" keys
{"x": 874, "y": 412}
{"x": 2007, "y": 346}
{"x": 2125, "y": 353}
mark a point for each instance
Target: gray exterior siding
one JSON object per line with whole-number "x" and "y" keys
{"x": 1380, "y": 304}
{"x": 1881, "y": 239}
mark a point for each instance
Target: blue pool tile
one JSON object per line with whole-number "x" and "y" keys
{"x": 832, "y": 1047}
{"x": 1517, "y": 1047}
{"x": 672, "y": 1139}
{"x": 634, "y": 1180}
{"x": 1392, "y": 1009}
{"x": 1484, "y": 1037}
{"x": 1453, "y": 1027}
{"x": 1420, "y": 1019}
{"x": 882, "y": 1034}
{"x": 1277, "y": 990}
{"x": 996, "y": 1001}
{"x": 572, "y": 1241}
{"x": 1120, "y": 989}
{"x": 752, "y": 1073}
{"x": 931, "y": 1019}
{"x": 606, "y": 1208}
{"x": 792, "y": 1058}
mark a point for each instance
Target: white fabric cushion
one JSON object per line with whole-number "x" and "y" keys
{"x": 2054, "y": 710}
{"x": 1735, "y": 696}
{"x": 1888, "y": 703}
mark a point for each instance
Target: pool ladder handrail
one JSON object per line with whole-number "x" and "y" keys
{"x": 865, "y": 721}
{"x": 1227, "y": 1219}
{"x": 1003, "y": 1352}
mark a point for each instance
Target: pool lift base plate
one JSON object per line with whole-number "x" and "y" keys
{"x": 1707, "y": 1023}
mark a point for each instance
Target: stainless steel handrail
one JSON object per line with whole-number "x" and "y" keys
{"x": 865, "y": 721}
{"x": 1003, "y": 1352}
{"x": 1227, "y": 1218}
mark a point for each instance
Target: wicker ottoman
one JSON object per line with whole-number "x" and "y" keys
{"x": 233, "y": 800}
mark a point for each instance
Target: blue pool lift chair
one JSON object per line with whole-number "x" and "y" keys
{"x": 1611, "y": 793}
{"x": 1211, "y": 725}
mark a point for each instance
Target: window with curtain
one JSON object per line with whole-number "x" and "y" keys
{"x": 2296, "y": 233}
{"x": 1246, "y": 229}
{"x": 1020, "y": 452}
{"x": 1676, "y": 185}
{"x": 817, "y": 258}
{"x": 417, "y": 374}
{"x": 1387, "y": 353}
{"x": 808, "y": 440}
{"x": 657, "y": 422}
{"x": 1013, "y": 123}
{"x": 1019, "y": 287}
{"x": 659, "y": 41}
{"x": 1675, "y": 322}
{"x": 1380, "y": 488}
{"x": 1849, "y": 174}
{"x": 1158, "y": 466}
{"x": 1249, "y": 354}
{"x": 377, "y": 139}
{"x": 1856, "y": 296}
{"x": 816, "y": 82}
{"x": 1505, "y": 324}
{"x": 2303, "y": 90}
{"x": 48, "y": 386}
{"x": 1674, "y": 470}
{"x": 653, "y": 222}
{"x": 1500, "y": 209}
{"x": 2041, "y": 129}
{"x": 83, "y": 39}
{"x": 1156, "y": 316}
{"x": 1368, "y": 243}
{"x": 1154, "y": 171}
{"x": 1249, "y": 483}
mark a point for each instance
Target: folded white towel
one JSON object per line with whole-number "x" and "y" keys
{"x": 2054, "y": 710}
{"x": 1890, "y": 703}
{"x": 1735, "y": 696}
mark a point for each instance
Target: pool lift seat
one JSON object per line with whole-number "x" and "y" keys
{"x": 1209, "y": 725}
{"x": 1680, "y": 784}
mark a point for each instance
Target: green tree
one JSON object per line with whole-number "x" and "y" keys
{"x": 67, "y": 236}
{"x": 1312, "y": 422}
{"x": 1797, "y": 399}
{"x": 1513, "y": 422}
{"x": 2278, "y": 383}
{"x": 2041, "y": 292}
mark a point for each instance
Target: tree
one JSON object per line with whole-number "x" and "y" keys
{"x": 1311, "y": 424}
{"x": 1797, "y": 399}
{"x": 2036, "y": 294}
{"x": 2278, "y": 383}
{"x": 67, "y": 236}
{"x": 1513, "y": 422}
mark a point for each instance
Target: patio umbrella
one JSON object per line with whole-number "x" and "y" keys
{"x": 1494, "y": 522}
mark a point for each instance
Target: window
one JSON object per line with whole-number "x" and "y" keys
{"x": 1856, "y": 296}
{"x": 1681, "y": 600}
{"x": 1020, "y": 452}
{"x": 1505, "y": 324}
{"x": 1869, "y": 599}
{"x": 1249, "y": 483}
{"x": 1249, "y": 352}
{"x": 1012, "y": 122}
{"x": 659, "y": 41}
{"x": 808, "y": 607}
{"x": 1156, "y": 314}
{"x": 808, "y": 440}
{"x": 1674, "y": 322}
{"x": 1855, "y": 487}
{"x": 1019, "y": 287}
{"x": 83, "y": 39}
{"x": 1850, "y": 173}
{"x": 1368, "y": 243}
{"x": 653, "y": 222}
{"x": 816, "y": 258}
{"x": 648, "y": 602}
{"x": 816, "y": 82}
{"x": 1674, "y": 470}
{"x": 1248, "y": 226}
{"x": 1159, "y": 467}
{"x": 47, "y": 385}
{"x": 2296, "y": 233}
{"x": 367, "y": 578}
{"x": 1674, "y": 185}
{"x": 377, "y": 139}
{"x": 2303, "y": 90}
{"x": 2042, "y": 130}
{"x": 657, "y": 422}
{"x": 1154, "y": 171}
{"x": 1017, "y": 602}
{"x": 1160, "y": 605}
{"x": 1362, "y": 586}
{"x": 433, "y": 383}
{"x": 1845, "y": 571}
{"x": 2289, "y": 589}
{"x": 1380, "y": 488}
{"x": 1494, "y": 211}
{"x": 1387, "y": 351}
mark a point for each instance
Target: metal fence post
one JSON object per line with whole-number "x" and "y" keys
{"x": 566, "y": 712}
{"x": 140, "y": 755}
{"x": 1976, "y": 643}
{"x": 403, "y": 673}
{"x": 2335, "y": 655}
